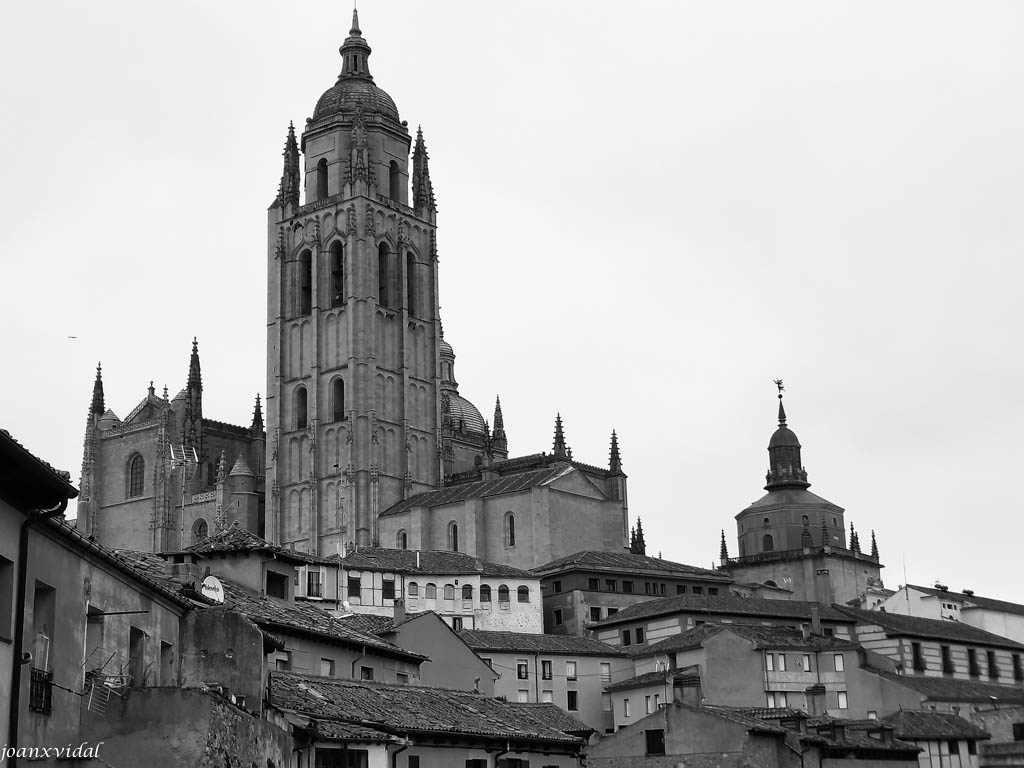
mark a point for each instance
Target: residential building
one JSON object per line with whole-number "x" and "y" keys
{"x": 946, "y": 740}
{"x": 588, "y": 586}
{"x": 1000, "y": 617}
{"x": 793, "y": 539}
{"x": 571, "y": 672}
{"x": 468, "y": 592}
{"x": 357, "y": 723}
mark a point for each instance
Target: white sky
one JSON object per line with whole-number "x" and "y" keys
{"x": 647, "y": 213}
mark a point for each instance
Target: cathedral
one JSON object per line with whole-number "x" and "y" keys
{"x": 369, "y": 440}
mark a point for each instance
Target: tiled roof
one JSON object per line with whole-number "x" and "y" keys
{"x": 952, "y": 689}
{"x": 237, "y": 539}
{"x": 760, "y": 636}
{"x": 28, "y": 481}
{"x": 855, "y": 735}
{"x": 973, "y": 601}
{"x": 931, "y": 629}
{"x": 921, "y": 724}
{"x": 625, "y": 561}
{"x": 767, "y": 713}
{"x": 722, "y": 604}
{"x": 653, "y": 678}
{"x": 554, "y": 716}
{"x": 430, "y": 561}
{"x": 489, "y": 640}
{"x": 330, "y": 731}
{"x": 455, "y": 493}
{"x": 368, "y": 622}
{"x": 402, "y": 709}
{"x": 285, "y": 618}
{"x": 736, "y": 715}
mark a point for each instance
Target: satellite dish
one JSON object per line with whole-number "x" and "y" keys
{"x": 213, "y": 589}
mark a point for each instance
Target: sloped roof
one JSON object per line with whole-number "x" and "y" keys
{"x": 455, "y": 493}
{"x": 655, "y": 678}
{"x": 767, "y": 713}
{"x": 306, "y": 619}
{"x": 490, "y": 640}
{"x": 26, "y": 481}
{"x": 722, "y": 604}
{"x": 922, "y": 724}
{"x": 931, "y": 629}
{"x": 236, "y": 539}
{"x": 157, "y": 403}
{"x": 790, "y": 495}
{"x": 427, "y": 562}
{"x": 759, "y": 636}
{"x": 973, "y": 601}
{"x": 625, "y": 561}
{"x": 402, "y": 709}
{"x": 369, "y": 622}
{"x": 953, "y": 689}
{"x": 554, "y": 716}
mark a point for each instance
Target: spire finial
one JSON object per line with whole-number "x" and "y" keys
{"x": 422, "y": 189}
{"x": 874, "y": 545}
{"x": 97, "y": 406}
{"x": 355, "y": 22}
{"x": 256, "y": 428}
{"x": 614, "y": 460}
{"x": 355, "y": 53}
{"x": 723, "y": 552}
{"x": 559, "y": 445}
{"x": 782, "y": 411}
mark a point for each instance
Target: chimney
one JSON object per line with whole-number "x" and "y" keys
{"x": 815, "y": 619}
{"x": 400, "y": 611}
{"x": 805, "y": 631}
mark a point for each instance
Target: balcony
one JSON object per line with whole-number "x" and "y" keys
{"x": 40, "y": 698}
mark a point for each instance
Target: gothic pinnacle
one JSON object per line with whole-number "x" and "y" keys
{"x": 97, "y": 406}
{"x": 874, "y": 545}
{"x": 614, "y": 461}
{"x": 723, "y": 552}
{"x": 559, "y": 445}
{"x": 422, "y": 189}
{"x": 257, "y": 418}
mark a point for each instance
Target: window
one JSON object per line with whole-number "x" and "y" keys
{"x": 355, "y": 586}
{"x": 321, "y": 179}
{"x": 570, "y": 671}
{"x": 305, "y": 283}
{"x": 606, "y": 702}
{"x": 556, "y": 587}
{"x": 993, "y": 668}
{"x": 300, "y": 408}
{"x": 712, "y": 590}
{"x": 410, "y": 283}
{"x": 453, "y": 536}
{"x": 1018, "y": 731}
{"x": 523, "y": 594}
{"x": 919, "y": 662}
{"x": 972, "y": 747}
{"x": 510, "y": 530}
{"x": 844, "y": 702}
{"x": 839, "y": 662}
{"x": 627, "y": 637}
{"x": 200, "y": 530}
{"x": 606, "y": 672}
{"x": 953, "y": 746}
{"x": 166, "y": 673}
{"x": 394, "y": 181}
{"x": 639, "y": 635}
{"x": 947, "y": 659}
{"x": 431, "y": 591}
{"x": 467, "y": 592}
{"x": 522, "y": 670}
{"x": 337, "y": 274}
{"x": 338, "y": 401}
{"x": 595, "y": 613}
{"x": 277, "y": 585}
{"x": 402, "y": 540}
{"x": 972, "y": 663}
{"x": 524, "y": 696}
{"x": 647, "y": 705}
{"x": 283, "y": 662}
{"x": 366, "y": 673}
{"x": 1018, "y": 670}
{"x": 137, "y": 656}
{"x": 767, "y": 543}
{"x": 457, "y": 623}
{"x": 655, "y": 741}
{"x": 594, "y": 585}
{"x": 503, "y": 594}
{"x": 807, "y": 662}
{"x": 40, "y": 697}
{"x": 680, "y": 589}
{"x": 387, "y": 588}
{"x": 485, "y": 593}
{"x": 661, "y": 589}
{"x": 698, "y": 590}
{"x": 313, "y": 586}
{"x": 782, "y": 662}
{"x": 610, "y": 585}
{"x": 383, "y": 275}
{"x": 136, "y": 476}
{"x": 769, "y": 662}
{"x": 625, "y": 707}
{"x": 612, "y": 611}
{"x": 327, "y": 667}
{"x": 449, "y": 591}
{"x": 545, "y": 669}
{"x": 627, "y": 586}
{"x": 572, "y": 701}
{"x": 558, "y": 616}
{"x": 872, "y": 714}
{"x": 412, "y": 589}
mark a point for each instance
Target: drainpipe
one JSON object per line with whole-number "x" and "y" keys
{"x": 394, "y": 755}
{"x": 355, "y": 661}
{"x": 497, "y": 756}
{"x": 19, "y": 622}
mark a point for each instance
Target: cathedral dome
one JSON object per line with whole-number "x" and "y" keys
{"x": 465, "y": 416}
{"x": 784, "y": 436}
{"x": 348, "y": 94}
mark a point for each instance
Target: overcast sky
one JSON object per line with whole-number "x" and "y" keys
{"x": 647, "y": 212}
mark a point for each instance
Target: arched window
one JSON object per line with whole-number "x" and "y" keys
{"x": 321, "y": 179}
{"x": 503, "y": 594}
{"x": 485, "y": 593}
{"x": 200, "y": 530}
{"x": 337, "y": 274}
{"x": 394, "y": 180}
{"x": 305, "y": 283}
{"x": 523, "y": 594}
{"x": 136, "y": 476}
{"x": 431, "y": 591}
{"x": 767, "y": 543}
{"x": 300, "y": 408}
{"x": 412, "y": 589}
{"x": 383, "y": 275}
{"x": 449, "y": 591}
{"x": 338, "y": 400}
{"x": 510, "y": 529}
{"x": 402, "y": 540}
{"x": 467, "y": 591}
{"x": 805, "y": 539}
{"x": 410, "y": 283}
{"x": 453, "y": 536}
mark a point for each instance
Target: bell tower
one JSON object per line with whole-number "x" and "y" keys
{"x": 353, "y": 325}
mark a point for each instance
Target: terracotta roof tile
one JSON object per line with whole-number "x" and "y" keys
{"x": 974, "y": 601}
{"x": 237, "y": 539}
{"x": 922, "y": 724}
{"x": 626, "y": 561}
{"x": 489, "y": 640}
{"x": 432, "y": 562}
{"x": 932, "y": 629}
{"x": 952, "y": 689}
{"x": 711, "y": 605}
{"x": 758, "y": 635}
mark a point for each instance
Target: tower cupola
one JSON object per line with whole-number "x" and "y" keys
{"x": 784, "y": 465}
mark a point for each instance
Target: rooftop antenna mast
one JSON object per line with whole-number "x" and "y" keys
{"x": 181, "y": 457}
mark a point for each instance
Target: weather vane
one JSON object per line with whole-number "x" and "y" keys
{"x": 778, "y": 383}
